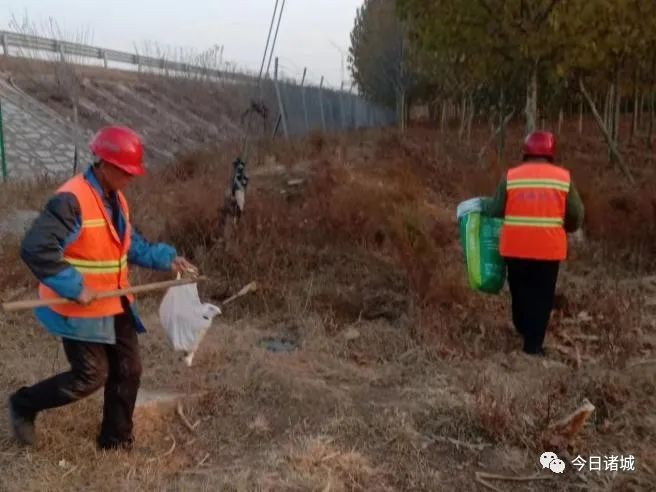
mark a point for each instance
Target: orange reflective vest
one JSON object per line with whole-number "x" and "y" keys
{"x": 98, "y": 252}
{"x": 536, "y": 201}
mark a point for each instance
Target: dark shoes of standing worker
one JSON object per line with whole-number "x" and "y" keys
{"x": 109, "y": 444}
{"x": 535, "y": 352}
{"x": 22, "y": 425}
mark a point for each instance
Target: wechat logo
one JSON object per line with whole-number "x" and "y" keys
{"x": 553, "y": 462}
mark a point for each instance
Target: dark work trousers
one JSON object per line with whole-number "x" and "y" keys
{"x": 532, "y": 287}
{"x": 117, "y": 367}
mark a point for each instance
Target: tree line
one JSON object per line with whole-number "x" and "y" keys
{"x": 543, "y": 59}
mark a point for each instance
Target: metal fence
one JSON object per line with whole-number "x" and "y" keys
{"x": 300, "y": 107}
{"x": 33, "y": 139}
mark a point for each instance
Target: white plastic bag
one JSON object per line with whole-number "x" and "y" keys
{"x": 472, "y": 205}
{"x": 185, "y": 319}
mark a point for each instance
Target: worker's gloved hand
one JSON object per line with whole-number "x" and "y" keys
{"x": 87, "y": 296}
{"x": 182, "y": 265}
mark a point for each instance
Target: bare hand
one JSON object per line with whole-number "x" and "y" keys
{"x": 182, "y": 265}
{"x": 87, "y": 296}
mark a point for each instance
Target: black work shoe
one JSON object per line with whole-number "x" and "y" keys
{"x": 22, "y": 426}
{"x": 535, "y": 352}
{"x": 106, "y": 444}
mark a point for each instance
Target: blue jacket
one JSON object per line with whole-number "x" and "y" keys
{"x": 42, "y": 250}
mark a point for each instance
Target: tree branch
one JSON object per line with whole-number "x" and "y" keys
{"x": 612, "y": 145}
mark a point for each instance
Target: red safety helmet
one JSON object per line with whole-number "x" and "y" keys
{"x": 540, "y": 144}
{"x": 120, "y": 147}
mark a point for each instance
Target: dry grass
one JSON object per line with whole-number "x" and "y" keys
{"x": 405, "y": 379}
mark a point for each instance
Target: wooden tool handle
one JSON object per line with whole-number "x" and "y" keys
{"x": 139, "y": 289}
{"x": 247, "y": 289}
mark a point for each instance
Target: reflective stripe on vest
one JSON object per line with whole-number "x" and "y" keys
{"x": 94, "y": 223}
{"x": 98, "y": 252}
{"x": 554, "y": 184}
{"x": 514, "y": 220}
{"x": 101, "y": 266}
{"x": 536, "y": 197}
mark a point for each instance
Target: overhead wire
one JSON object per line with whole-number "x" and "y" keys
{"x": 266, "y": 49}
{"x": 272, "y": 46}
{"x": 275, "y": 38}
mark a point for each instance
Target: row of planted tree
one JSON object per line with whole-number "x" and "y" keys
{"x": 543, "y": 59}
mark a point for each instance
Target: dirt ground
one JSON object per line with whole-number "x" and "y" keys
{"x": 404, "y": 378}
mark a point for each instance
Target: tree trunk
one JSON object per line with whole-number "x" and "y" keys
{"x": 470, "y": 117}
{"x": 496, "y": 133}
{"x": 561, "y": 117}
{"x": 635, "y": 126}
{"x": 399, "y": 109}
{"x": 502, "y": 125}
{"x": 652, "y": 108}
{"x": 404, "y": 105}
{"x": 443, "y": 120}
{"x": 403, "y": 113}
{"x": 463, "y": 118}
{"x": 610, "y": 109}
{"x": 612, "y": 144}
{"x": 636, "y": 99}
{"x": 610, "y": 117}
{"x": 581, "y": 118}
{"x": 609, "y": 98}
{"x": 532, "y": 101}
{"x": 618, "y": 108}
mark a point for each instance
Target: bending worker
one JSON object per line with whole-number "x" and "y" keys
{"x": 81, "y": 245}
{"x": 539, "y": 204}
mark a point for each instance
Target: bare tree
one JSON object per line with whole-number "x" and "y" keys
{"x": 378, "y": 56}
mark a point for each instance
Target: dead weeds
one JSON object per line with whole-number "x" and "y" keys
{"x": 405, "y": 379}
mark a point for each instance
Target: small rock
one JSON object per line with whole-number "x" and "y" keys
{"x": 146, "y": 398}
{"x": 278, "y": 344}
{"x": 351, "y": 334}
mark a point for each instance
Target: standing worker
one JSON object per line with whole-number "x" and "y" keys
{"x": 81, "y": 245}
{"x": 539, "y": 204}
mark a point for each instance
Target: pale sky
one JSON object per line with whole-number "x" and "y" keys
{"x": 309, "y": 31}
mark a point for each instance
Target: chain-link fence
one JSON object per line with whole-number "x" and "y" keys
{"x": 304, "y": 109}
{"x": 296, "y": 109}
{"x": 174, "y": 105}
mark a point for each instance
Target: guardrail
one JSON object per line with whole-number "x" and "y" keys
{"x": 28, "y": 42}
{"x": 301, "y": 108}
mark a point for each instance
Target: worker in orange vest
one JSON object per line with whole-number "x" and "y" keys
{"x": 540, "y": 205}
{"x": 80, "y": 246}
